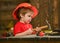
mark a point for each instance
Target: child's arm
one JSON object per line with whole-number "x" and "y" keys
{"x": 27, "y": 32}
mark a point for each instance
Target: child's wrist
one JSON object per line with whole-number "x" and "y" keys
{"x": 34, "y": 32}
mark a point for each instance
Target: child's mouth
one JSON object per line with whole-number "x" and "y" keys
{"x": 29, "y": 21}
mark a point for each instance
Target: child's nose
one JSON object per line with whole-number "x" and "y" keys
{"x": 30, "y": 19}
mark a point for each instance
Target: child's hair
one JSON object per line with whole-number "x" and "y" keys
{"x": 23, "y": 11}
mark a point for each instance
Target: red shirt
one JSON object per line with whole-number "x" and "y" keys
{"x": 21, "y": 27}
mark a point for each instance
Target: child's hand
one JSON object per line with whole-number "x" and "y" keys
{"x": 38, "y": 29}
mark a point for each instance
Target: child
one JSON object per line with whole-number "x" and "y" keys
{"x": 24, "y": 13}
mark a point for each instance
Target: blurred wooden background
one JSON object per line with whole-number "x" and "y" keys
{"x": 48, "y": 9}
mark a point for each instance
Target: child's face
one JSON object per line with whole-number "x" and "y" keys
{"x": 27, "y": 17}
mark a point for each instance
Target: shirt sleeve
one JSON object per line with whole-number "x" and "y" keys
{"x": 17, "y": 29}
{"x": 30, "y": 26}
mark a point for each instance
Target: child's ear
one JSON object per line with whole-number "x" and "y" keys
{"x": 21, "y": 15}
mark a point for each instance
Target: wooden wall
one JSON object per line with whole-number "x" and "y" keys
{"x": 6, "y": 9}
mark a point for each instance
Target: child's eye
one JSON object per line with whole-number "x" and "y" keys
{"x": 29, "y": 16}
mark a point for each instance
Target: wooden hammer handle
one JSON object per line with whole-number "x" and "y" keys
{"x": 40, "y": 28}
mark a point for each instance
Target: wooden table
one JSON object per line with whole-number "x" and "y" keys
{"x": 31, "y": 39}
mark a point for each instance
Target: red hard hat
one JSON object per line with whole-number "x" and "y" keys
{"x": 27, "y": 5}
